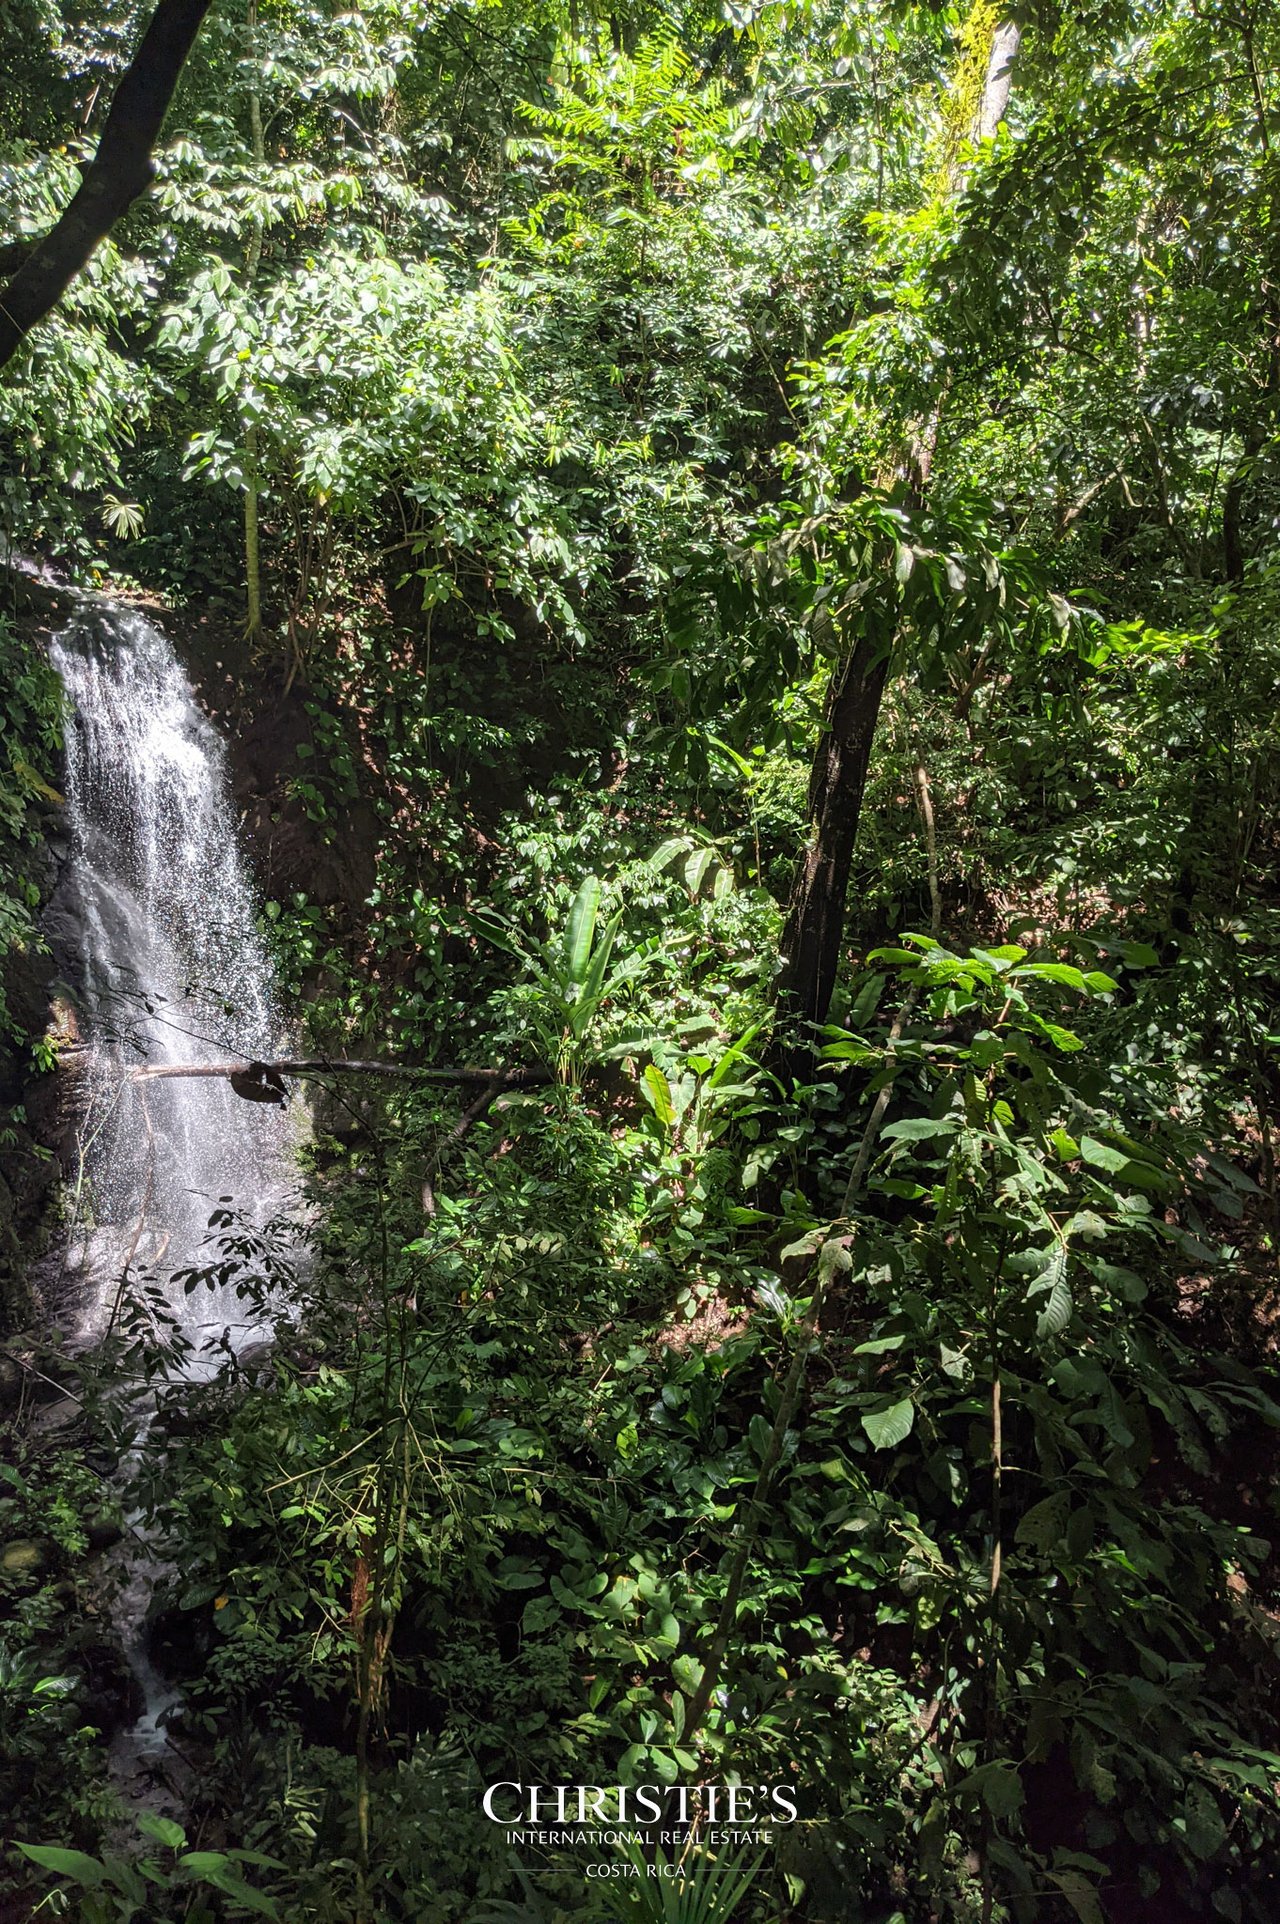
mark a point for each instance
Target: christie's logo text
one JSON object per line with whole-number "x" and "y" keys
{"x": 584, "y": 1810}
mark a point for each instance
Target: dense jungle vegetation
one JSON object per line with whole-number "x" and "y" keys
{"x": 734, "y": 547}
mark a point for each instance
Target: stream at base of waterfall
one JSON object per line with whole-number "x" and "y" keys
{"x": 168, "y": 969}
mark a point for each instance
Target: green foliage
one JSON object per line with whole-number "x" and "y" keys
{"x": 30, "y": 714}
{"x": 693, "y": 1890}
{"x": 51, "y": 1658}
{"x": 1018, "y": 1292}
{"x": 601, "y": 387}
{"x": 571, "y": 983}
{"x": 115, "y": 1889}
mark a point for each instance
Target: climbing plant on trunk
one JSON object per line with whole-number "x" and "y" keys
{"x": 979, "y": 96}
{"x": 881, "y": 582}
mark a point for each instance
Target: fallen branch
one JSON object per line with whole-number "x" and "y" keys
{"x": 320, "y": 1066}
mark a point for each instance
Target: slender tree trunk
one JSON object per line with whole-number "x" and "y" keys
{"x": 812, "y": 938}
{"x": 1234, "y": 551}
{"x": 121, "y": 170}
{"x": 252, "y": 564}
{"x": 1005, "y": 43}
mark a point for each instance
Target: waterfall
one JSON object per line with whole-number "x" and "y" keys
{"x": 158, "y": 935}
{"x": 171, "y": 971}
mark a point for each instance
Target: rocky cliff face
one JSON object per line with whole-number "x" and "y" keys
{"x": 270, "y": 727}
{"x": 37, "y": 1121}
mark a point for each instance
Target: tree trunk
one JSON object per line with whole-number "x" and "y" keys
{"x": 1005, "y": 43}
{"x": 812, "y": 938}
{"x": 252, "y": 551}
{"x": 122, "y": 168}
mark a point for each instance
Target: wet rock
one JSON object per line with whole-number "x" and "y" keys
{"x": 57, "y": 1419}
{"x": 255, "y": 1360}
{"x": 63, "y": 926}
{"x": 24, "y": 1559}
{"x": 113, "y": 1696}
{"x": 102, "y": 1529}
{"x": 179, "y": 1641}
{"x": 46, "y": 1373}
{"x": 11, "y": 1378}
{"x": 338, "y": 1119}
{"x": 173, "y": 1425}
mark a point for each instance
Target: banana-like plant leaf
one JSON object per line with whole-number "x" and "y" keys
{"x": 498, "y": 933}
{"x": 581, "y": 927}
{"x": 592, "y": 981}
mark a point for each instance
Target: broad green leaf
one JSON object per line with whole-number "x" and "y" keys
{"x": 1045, "y": 1522}
{"x": 889, "y": 1427}
{"x": 834, "y": 1259}
{"x": 1201, "y": 1822}
{"x": 581, "y": 928}
{"x": 667, "y": 1637}
{"x": 538, "y": 1613}
{"x": 998, "y": 1785}
{"x": 65, "y": 1863}
{"x": 920, "y": 1128}
{"x": 687, "y": 1672}
{"x": 1123, "y": 1164}
{"x": 734, "y": 1055}
{"x": 1056, "y": 1314}
{"x": 496, "y": 932}
{"x": 1051, "y": 1282}
{"x": 519, "y": 1579}
{"x": 235, "y": 1888}
{"x": 1081, "y": 1894}
{"x": 666, "y": 852}
{"x": 163, "y": 1829}
{"x": 594, "y": 988}
{"x": 1115, "y": 1277}
{"x": 1063, "y": 972}
{"x": 657, "y": 1093}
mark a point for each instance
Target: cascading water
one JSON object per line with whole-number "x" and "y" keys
{"x": 172, "y": 972}
{"x": 169, "y": 972}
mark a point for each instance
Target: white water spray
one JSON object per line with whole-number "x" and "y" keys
{"x": 172, "y": 972}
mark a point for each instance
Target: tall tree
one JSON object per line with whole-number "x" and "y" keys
{"x": 122, "y": 168}
{"x": 816, "y": 912}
